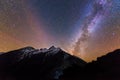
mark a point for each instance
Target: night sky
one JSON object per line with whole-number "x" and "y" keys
{"x": 85, "y": 28}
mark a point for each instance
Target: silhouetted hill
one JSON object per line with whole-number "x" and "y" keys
{"x": 106, "y": 67}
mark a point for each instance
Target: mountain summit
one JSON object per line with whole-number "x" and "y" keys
{"x": 37, "y": 64}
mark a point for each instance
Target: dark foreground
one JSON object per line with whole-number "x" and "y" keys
{"x": 55, "y": 64}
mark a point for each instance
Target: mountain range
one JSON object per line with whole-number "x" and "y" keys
{"x": 55, "y": 64}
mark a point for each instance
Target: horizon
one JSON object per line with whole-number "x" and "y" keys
{"x": 63, "y": 50}
{"x": 84, "y": 28}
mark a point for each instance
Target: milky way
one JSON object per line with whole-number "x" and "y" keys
{"x": 99, "y": 10}
{"x": 85, "y": 28}
{"x": 99, "y": 31}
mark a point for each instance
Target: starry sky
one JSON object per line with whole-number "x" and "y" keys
{"x": 85, "y": 28}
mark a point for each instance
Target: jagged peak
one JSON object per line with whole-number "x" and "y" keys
{"x": 52, "y": 47}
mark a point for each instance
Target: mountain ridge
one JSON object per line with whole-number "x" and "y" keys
{"x": 53, "y": 63}
{"x": 48, "y": 63}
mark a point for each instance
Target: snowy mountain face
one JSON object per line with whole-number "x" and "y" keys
{"x": 37, "y": 64}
